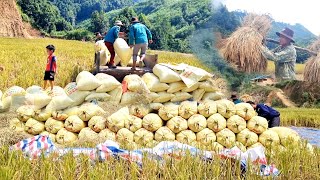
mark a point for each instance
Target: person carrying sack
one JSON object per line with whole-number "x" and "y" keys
{"x": 139, "y": 37}
{"x": 109, "y": 40}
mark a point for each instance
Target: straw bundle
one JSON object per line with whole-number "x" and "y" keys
{"x": 312, "y": 68}
{"x": 243, "y": 48}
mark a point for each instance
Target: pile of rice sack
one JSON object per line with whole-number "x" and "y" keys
{"x": 182, "y": 104}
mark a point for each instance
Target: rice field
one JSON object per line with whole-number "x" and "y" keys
{"x": 24, "y": 60}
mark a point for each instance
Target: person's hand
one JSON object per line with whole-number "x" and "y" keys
{"x": 150, "y": 41}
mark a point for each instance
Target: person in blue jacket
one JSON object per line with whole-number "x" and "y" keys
{"x": 139, "y": 37}
{"x": 109, "y": 40}
{"x": 272, "y": 115}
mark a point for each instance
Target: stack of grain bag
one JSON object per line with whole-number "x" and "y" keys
{"x": 179, "y": 103}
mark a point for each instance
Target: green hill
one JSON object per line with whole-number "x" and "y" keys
{"x": 171, "y": 21}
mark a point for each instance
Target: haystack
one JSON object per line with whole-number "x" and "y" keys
{"x": 312, "y": 68}
{"x": 242, "y": 49}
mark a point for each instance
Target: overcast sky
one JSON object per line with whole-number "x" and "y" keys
{"x": 305, "y": 12}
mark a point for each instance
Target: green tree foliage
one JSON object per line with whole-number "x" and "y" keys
{"x": 99, "y": 22}
{"x": 79, "y": 34}
{"x": 124, "y": 16}
{"x": 43, "y": 15}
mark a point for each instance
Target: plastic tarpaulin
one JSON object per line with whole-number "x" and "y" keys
{"x": 40, "y": 145}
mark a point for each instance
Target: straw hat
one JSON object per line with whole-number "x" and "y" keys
{"x": 118, "y": 23}
{"x": 286, "y": 32}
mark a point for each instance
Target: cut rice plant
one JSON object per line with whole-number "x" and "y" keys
{"x": 312, "y": 69}
{"x": 242, "y": 50}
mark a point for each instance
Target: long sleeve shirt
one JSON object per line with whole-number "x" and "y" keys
{"x": 139, "y": 34}
{"x": 284, "y": 59}
{"x": 112, "y": 34}
{"x": 266, "y": 111}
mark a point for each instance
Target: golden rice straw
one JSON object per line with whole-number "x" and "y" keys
{"x": 312, "y": 69}
{"x": 242, "y": 49}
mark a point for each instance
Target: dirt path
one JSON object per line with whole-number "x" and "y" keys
{"x": 279, "y": 95}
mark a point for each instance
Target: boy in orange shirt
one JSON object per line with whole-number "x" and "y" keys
{"x": 51, "y": 67}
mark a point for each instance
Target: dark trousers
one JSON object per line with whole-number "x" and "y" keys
{"x": 112, "y": 52}
{"x": 274, "y": 122}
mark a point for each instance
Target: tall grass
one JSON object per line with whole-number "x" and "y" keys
{"x": 300, "y": 117}
{"x": 303, "y": 165}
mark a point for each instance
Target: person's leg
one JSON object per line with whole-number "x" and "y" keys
{"x": 136, "y": 49}
{"x": 274, "y": 122}
{"x": 112, "y": 53}
{"x": 143, "y": 51}
{"x": 51, "y": 84}
{"x": 45, "y": 83}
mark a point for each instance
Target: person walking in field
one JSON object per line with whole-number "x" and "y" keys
{"x": 51, "y": 67}
{"x": 272, "y": 115}
{"x": 109, "y": 40}
{"x": 139, "y": 37}
{"x": 284, "y": 56}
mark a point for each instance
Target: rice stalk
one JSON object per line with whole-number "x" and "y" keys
{"x": 242, "y": 50}
{"x": 312, "y": 69}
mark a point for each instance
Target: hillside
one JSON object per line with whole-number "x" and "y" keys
{"x": 11, "y": 24}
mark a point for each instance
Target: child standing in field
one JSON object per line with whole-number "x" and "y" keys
{"x": 51, "y": 67}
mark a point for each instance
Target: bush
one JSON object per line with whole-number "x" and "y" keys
{"x": 79, "y": 34}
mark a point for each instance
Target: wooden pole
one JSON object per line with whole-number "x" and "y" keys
{"x": 297, "y": 47}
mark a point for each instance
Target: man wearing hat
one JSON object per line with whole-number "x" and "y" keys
{"x": 139, "y": 37}
{"x": 110, "y": 38}
{"x": 284, "y": 56}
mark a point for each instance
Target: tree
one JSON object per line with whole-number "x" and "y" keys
{"x": 99, "y": 22}
{"x": 125, "y": 16}
{"x": 144, "y": 20}
{"x": 44, "y": 15}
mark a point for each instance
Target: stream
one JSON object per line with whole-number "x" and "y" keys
{"x": 310, "y": 134}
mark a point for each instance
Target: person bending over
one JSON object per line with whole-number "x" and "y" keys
{"x": 272, "y": 115}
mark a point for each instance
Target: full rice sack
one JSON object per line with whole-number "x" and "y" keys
{"x": 143, "y": 136}
{"x": 87, "y": 111}
{"x": 153, "y": 83}
{"x": 117, "y": 120}
{"x": 187, "y": 109}
{"x": 216, "y": 122}
{"x": 75, "y": 94}
{"x": 88, "y": 135}
{"x": 152, "y": 122}
{"x": 135, "y": 84}
{"x": 177, "y": 124}
{"x": 66, "y": 137}
{"x": 169, "y": 111}
{"x": 87, "y": 81}
{"x": 38, "y": 100}
{"x": 165, "y": 74}
{"x": 108, "y": 83}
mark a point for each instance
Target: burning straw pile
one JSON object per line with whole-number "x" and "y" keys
{"x": 243, "y": 48}
{"x": 312, "y": 69}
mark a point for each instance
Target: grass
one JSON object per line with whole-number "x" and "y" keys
{"x": 303, "y": 165}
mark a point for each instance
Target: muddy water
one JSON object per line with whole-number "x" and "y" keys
{"x": 310, "y": 134}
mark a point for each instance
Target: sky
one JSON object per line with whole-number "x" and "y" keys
{"x": 305, "y": 12}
